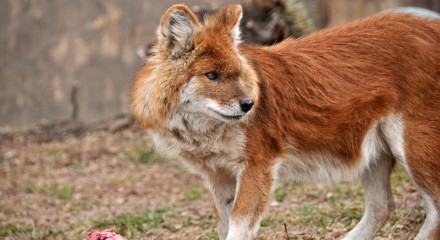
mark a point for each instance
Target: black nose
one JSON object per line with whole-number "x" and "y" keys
{"x": 246, "y": 104}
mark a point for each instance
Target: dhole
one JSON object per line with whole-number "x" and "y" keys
{"x": 343, "y": 103}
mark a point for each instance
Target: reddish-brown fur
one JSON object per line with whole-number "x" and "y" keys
{"x": 320, "y": 94}
{"x": 323, "y": 109}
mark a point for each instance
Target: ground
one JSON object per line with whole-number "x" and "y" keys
{"x": 59, "y": 184}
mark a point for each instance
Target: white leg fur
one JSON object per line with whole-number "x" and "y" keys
{"x": 393, "y": 130}
{"x": 378, "y": 199}
{"x": 432, "y": 217}
{"x": 240, "y": 229}
{"x": 223, "y": 190}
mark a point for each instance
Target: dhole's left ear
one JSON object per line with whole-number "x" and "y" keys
{"x": 237, "y": 12}
{"x": 230, "y": 17}
{"x": 177, "y": 28}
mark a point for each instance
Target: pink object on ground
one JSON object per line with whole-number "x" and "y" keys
{"x": 108, "y": 234}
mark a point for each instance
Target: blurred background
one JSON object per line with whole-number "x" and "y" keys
{"x": 74, "y": 60}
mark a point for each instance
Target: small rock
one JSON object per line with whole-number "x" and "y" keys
{"x": 10, "y": 154}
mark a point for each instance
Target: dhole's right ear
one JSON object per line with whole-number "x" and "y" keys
{"x": 178, "y": 26}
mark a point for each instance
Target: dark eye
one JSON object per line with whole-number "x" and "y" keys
{"x": 213, "y": 76}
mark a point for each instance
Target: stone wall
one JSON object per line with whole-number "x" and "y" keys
{"x": 64, "y": 60}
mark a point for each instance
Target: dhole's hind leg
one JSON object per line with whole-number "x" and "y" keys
{"x": 422, "y": 164}
{"x": 419, "y": 155}
{"x": 431, "y": 227}
{"x": 427, "y": 179}
{"x": 379, "y": 201}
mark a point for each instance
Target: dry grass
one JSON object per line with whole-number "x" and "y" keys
{"x": 61, "y": 189}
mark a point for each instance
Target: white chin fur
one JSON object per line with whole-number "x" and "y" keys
{"x": 231, "y": 112}
{"x": 191, "y": 102}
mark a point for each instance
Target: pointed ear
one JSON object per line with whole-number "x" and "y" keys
{"x": 237, "y": 15}
{"x": 177, "y": 28}
{"x": 231, "y": 16}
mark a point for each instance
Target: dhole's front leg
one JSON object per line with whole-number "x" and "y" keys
{"x": 251, "y": 201}
{"x": 223, "y": 186}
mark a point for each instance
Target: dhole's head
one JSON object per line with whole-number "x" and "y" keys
{"x": 196, "y": 68}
